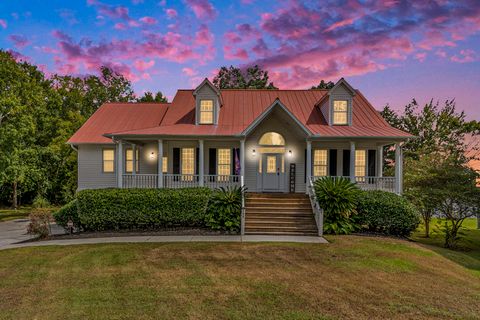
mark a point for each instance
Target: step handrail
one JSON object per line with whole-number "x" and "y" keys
{"x": 242, "y": 215}
{"x": 317, "y": 211}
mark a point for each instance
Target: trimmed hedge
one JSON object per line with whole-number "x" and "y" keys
{"x": 114, "y": 209}
{"x": 67, "y": 212}
{"x": 385, "y": 212}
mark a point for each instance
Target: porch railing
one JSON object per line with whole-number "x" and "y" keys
{"x": 317, "y": 211}
{"x": 370, "y": 183}
{"x": 139, "y": 181}
{"x": 180, "y": 180}
{"x": 217, "y": 181}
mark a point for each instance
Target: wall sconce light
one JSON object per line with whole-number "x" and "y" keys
{"x": 253, "y": 152}
{"x": 152, "y": 155}
{"x": 289, "y": 153}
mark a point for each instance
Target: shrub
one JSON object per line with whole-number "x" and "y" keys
{"x": 40, "y": 202}
{"x": 39, "y": 222}
{"x": 66, "y": 213}
{"x": 225, "y": 209}
{"x": 385, "y": 212}
{"x": 338, "y": 199}
{"x": 113, "y": 209}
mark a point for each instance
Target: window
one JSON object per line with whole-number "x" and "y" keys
{"x": 340, "y": 112}
{"x": 108, "y": 160}
{"x": 360, "y": 163}
{"x": 272, "y": 139}
{"x": 188, "y": 163}
{"x": 129, "y": 160}
{"x": 271, "y": 164}
{"x": 164, "y": 164}
{"x": 206, "y": 112}
{"x": 224, "y": 162}
{"x": 320, "y": 163}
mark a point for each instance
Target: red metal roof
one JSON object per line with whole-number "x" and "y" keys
{"x": 112, "y": 117}
{"x": 239, "y": 109}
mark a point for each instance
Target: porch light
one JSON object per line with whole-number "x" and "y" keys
{"x": 253, "y": 152}
{"x": 289, "y": 153}
{"x": 152, "y": 155}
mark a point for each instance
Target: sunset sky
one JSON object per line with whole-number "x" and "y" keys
{"x": 391, "y": 50}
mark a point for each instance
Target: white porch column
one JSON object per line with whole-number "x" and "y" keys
{"x": 120, "y": 164}
{"x": 380, "y": 161}
{"x": 242, "y": 159}
{"x": 398, "y": 168}
{"x": 308, "y": 169}
{"x": 200, "y": 163}
{"x": 352, "y": 161}
{"x": 160, "y": 163}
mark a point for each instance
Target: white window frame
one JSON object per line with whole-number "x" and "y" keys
{"x": 187, "y": 176}
{"x": 165, "y": 164}
{"x": 128, "y": 161}
{"x": 201, "y": 112}
{"x": 224, "y": 166}
{"x": 113, "y": 161}
{"x": 361, "y": 162}
{"x": 318, "y": 163}
{"x": 346, "y": 112}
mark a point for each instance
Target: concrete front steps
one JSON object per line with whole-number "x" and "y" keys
{"x": 279, "y": 214}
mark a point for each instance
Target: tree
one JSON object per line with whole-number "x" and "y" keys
{"x": 418, "y": 191}
{"x": 23, "y": 97}
{"x": 324, "y": 85}
{"x": 441, "y": 129}
{"x": 457, "y": 197}
{"x": 37, "y": 116}
{"x": 251, "y": 78}
{"x": 148, "y": 97}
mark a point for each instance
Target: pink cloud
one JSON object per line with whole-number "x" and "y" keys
{"x": 203, "y": 36}
{"x": 3, "y": 24}
{"x": 421, "y": 56}
{"x": 202, "y": 9}
{"x": 148, "y": 20}
{"x": 235, "y": 54}
{"x": 141, "y": 65}
{"x": 171, "y": 13}
{"x": 120, "y": 26}
{"x": 19, "y": 41}
{"x": 189, "y": 72}
{"x": 464, "y": 56}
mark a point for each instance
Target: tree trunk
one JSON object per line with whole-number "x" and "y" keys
{"x": 427, "y": 227}
{"x": 14, "y": 204}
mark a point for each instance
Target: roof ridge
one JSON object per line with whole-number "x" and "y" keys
{"x": 136, "y": 102}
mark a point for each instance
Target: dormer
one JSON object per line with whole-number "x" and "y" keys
{"x": 337, "y": 105}
{"x": 207, "y": 103}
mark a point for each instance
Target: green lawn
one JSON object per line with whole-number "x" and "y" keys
{"x": 11, "y": 214}
{"x": 353, "y": 277}
{"x": 468, "y": 253}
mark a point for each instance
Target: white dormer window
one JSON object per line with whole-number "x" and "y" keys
{"x": 340, "y": 112}
{"x": 206, "y": 111}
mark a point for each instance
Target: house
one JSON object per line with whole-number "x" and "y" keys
{"x": 269, "y": 140}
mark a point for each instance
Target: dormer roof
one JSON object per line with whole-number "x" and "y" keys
{"x": 343, "y": 82}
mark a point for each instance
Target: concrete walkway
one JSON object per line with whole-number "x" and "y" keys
{"x": 160, "y": 239}
{"x": 13, "y": 231}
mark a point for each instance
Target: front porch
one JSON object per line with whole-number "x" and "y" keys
{"x": 285, "y": 165}
{"x": 216, "y": 181}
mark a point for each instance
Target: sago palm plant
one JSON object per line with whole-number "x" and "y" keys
{"x": 338, "y": 199}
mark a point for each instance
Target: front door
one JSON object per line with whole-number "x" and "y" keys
{"x": 272, "y": 172}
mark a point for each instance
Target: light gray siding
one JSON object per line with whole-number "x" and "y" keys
{"x": 295, "y": 141}
{"x": 90, "y": 168}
